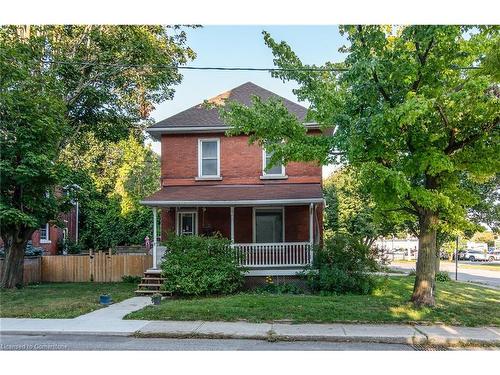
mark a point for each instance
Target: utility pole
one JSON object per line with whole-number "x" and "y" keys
{"x": 456, "y": 260}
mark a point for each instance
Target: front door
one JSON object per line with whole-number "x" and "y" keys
{"x": 269, "y": 225}
{"x": 187, "y": 223}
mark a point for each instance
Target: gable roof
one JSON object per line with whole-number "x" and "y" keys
{"x": 199, "y": 116}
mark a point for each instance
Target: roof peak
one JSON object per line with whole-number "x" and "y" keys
{"x": 200, "y": 115}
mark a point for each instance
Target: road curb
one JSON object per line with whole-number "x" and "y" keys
{"x": 62, "y": 333}
{"x": 415, "y": 340}
{"x": 273, "y": 337}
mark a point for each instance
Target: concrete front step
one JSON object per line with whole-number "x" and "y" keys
{"x": 151, "y": 283}
{"x": 140, "y": 292}
{"x": 157, "y": 286}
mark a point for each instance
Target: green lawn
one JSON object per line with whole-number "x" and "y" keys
{"x": 457, "y": 304}
{"x": 478, "y": 265}
{"x": 481, "y": 266}
{"x": 59, "y": 300}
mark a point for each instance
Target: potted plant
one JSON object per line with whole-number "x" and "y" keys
{"x": 105, "y": 299}
{"x": 156, "y": 298}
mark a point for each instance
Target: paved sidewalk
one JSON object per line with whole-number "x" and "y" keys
{"x": 108, "y": 321}
{"x": 382, "y": 333}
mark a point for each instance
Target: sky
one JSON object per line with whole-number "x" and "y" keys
{"x": 243, "y": 46}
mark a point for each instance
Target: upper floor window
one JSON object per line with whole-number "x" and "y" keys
{"x": 268, "y": 169}
{"x": 44, "y": 233}
{"x": 209, "y": 157}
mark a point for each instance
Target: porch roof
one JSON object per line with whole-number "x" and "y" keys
{"x": 236, "y": 195}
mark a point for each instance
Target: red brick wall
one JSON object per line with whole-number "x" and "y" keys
{"x": 243, "y": 225}
{"x": 296, "y": 222}
{"x": 240, "y": 162}
{"x": 167, "y": 222}
{"x": 54, "y": 235}
{"x": 216, "y": 218}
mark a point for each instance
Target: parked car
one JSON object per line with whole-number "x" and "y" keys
{"x": 443, "y": 255}
{"x": 461, "y": 255}
{"x": 476, "y": 255}
{"x": 495, "y": 255}
{"x": 30, "y": 251}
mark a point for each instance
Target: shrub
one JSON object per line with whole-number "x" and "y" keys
{"x": 29, "y": 251}
{"x": 279, "y": 288}
{"x": 342, "y": 266}
{"x": 131, "y": 279}
{"x": 440, "y": 276}
{"x": 443, "y": 276}
{"x": 70, "y": 246}
{"x": 198, "y": 265}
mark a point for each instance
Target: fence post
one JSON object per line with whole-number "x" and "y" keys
{"x": 91, "y": 264}
{"x": 109, "y": 265}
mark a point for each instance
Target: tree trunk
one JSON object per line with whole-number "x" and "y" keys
{"x": 13, "y": 265}
{"x": 437, "y": 262}
{"x": 423, "y": 290}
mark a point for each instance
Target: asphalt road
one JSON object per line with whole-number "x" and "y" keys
{"x": 91, "y": 342}
{"x": 480, "y": 276}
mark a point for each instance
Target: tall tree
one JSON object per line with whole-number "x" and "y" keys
{"x": 57, "y": 83}
{"x": 414, "y": 112}
{"x": 114, "y": 177}
{"x": 350, "y": 209}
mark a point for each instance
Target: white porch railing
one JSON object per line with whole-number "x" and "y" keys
{"x": 274, "y": 255}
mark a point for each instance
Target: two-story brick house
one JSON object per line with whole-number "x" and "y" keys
{"x": 211, "y": 182}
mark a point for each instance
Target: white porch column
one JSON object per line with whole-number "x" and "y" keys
{"x": 232, "y": 225}
{"x": 311, "y": 232}
{"x": 154, "y": 236}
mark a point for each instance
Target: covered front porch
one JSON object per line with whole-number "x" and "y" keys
{"x": 272, "y": 236}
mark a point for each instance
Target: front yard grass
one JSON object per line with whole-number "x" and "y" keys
{"x": 59, "y": 300}
{"x": 457, "y": 304}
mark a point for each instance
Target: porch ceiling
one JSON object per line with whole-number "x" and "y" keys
{"x": 236, "y": 195}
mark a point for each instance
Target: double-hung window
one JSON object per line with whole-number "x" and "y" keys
{"x": 209, "y": 158}
{"x": 44, "y": 233}
{"x": 270, "y": 170}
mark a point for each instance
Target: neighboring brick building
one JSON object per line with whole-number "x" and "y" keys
{"x": 49, "y": 236}
{"x": 215, "y": 183}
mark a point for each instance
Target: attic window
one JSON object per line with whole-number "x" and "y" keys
{"x": 209, "y": 158}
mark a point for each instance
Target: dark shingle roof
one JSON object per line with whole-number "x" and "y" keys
{"x": 201, "y": 116}
{"x": 237, "y": 194}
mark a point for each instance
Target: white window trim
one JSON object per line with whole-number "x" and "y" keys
{"x": 254, "y": 209}
{"x": 178, "y": 218}
{"x": 47, "y": 230}
{"x": 200, "y": 175}
{"x": 266, "y": 175}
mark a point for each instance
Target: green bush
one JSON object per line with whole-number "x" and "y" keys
{"x": 131, "y": 279}
{"x": 198, "y": 265}
{"x": 342, "y": 267}
{"x": 440, "y": 276}
{"x": 443, "y": 276}
{"x": 281, "y": 288}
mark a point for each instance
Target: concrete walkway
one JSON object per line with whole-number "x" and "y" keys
{"x": 109, "y": 321}
{"x": 382, "y": 333}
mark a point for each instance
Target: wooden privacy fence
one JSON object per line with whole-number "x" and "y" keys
{"x": 32, "y": 269}
{"x": 99, "y": 267}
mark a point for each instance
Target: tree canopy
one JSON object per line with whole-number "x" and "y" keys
{"x": 350, "y": 209}
{"x": 58, "y": 83}
{"x": 415, "y": 110}
{"x": 114, "y": 177}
